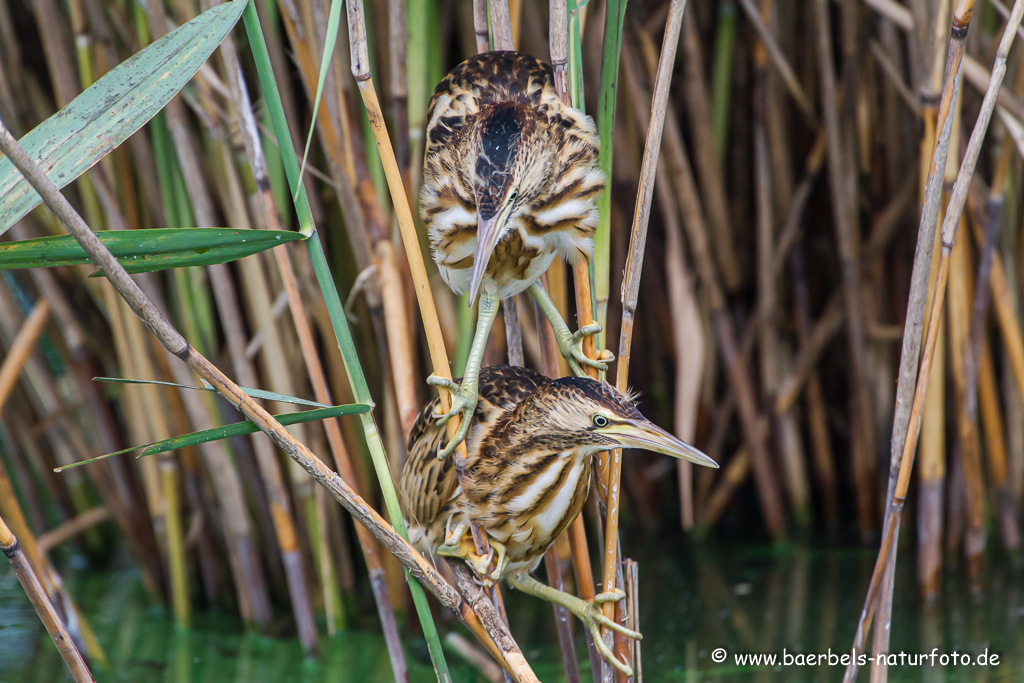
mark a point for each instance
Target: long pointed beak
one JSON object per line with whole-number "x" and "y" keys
{"x": 647, "y": 436}
{"x": 487, "y": 233}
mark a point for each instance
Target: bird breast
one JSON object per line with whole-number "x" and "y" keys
{"x": 534, "y": 504}
{"x": 524, "y": 252}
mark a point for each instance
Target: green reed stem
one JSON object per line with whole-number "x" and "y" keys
{"x": 343, "y": 335}
{"x": 575, "y": 60}
{"x": 725, "y": 44}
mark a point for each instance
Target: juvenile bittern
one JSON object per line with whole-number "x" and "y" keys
{"x": 531, "y": 447}
{"x": 510, "y": 181}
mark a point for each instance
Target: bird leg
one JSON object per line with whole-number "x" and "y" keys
{"x": 587, "y": 612}
{"x": 464, "y": 396}
{"x": 460, "y": 545}
{"x": 569, "y": 343}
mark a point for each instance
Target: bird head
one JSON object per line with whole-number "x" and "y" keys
{"x": 578, "y": 411}
{"x": 511, "y": 166}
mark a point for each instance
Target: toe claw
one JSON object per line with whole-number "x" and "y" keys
{"x": 610, "y": 596}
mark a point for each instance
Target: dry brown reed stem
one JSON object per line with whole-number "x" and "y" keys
{"x": 768, "y": 187}
{"x": 480, "y": 29}
{"x": 501, "y": 24}
{"x": 474, "y": 657}
{"x": 48, "y": 577}
{"x": 631, "y": 579}
{"x": 403, "y": 211}
{"x": 828, "y": 323}
{"x": 552, "y": 566}
{"x": 44, "y": 608}
{"x": 958, "y": 309}
{"x": 48, "y": 540}
{"x": 736, "y": 370}
{"x": 482, "y": 618}
{"x": 844, "y": 206}
{"x": 558, "y": 30}
{"x": 735, "y": 472}
{"x": 780, "y": 62}
{"x": 711, "y": 175}
{"x": 172, "y": 340}
{"x": 688, "y": 339}
{"x": 817, "y": 419}
{"x": 311, "y": 356}
{"x": 957, "y": 200}
{"x": 21, "y": 348}
{"x": 582, "y": 570}
{"x": 631, "y": 280}
{"x": 266, "y": 458}
{"x": 342, "y": 459}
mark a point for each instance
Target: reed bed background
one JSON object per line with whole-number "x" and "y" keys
{"x": 788, "y": 177}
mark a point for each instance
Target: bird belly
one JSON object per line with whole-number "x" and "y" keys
{"x": 510, "y": 272}
{"x": 543, "y": 510}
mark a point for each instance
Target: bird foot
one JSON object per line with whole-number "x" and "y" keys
{"x": 571, "y": 346}
{"x": 460, "y": 545}
{"x": 464, "y": 400}
{"x": 591, "y": 616}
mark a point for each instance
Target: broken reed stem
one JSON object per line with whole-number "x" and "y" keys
{"x": 172, "y": 340}
{"x": 44, "y": 608}
{"x": 480, "y": 28}
{"x": 958, "y": 197}
{"x": 501, "y": 24}
{"x": 631, "y": 279}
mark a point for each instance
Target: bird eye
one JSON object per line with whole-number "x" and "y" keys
{"x": 600, "y": 421}
{"x": 514, "y": 196}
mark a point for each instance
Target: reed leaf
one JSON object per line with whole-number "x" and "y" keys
{"x": 229, "y": 431}
{"x": 333, "y": 22}
{"x": 93, "y": 124}
{"x": 259, "y": 394}
{"x": 146, "y": 251}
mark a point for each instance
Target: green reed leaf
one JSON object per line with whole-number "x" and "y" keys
{"x": 228, "y": 431}
{"x": 93, "y": 124}
{"x": 144, "y": 251}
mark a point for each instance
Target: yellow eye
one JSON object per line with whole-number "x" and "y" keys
{"x": 600, "y": 421}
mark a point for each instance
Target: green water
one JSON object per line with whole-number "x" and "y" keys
{"x": 692, "y": 602}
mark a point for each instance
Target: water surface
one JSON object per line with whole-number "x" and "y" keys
{"x": 693, "y": 601}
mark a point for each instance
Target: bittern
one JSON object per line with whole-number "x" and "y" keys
{"x": 530, "y": 452}
{"x": 510, "y": 181}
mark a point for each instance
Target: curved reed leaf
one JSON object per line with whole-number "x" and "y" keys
{"x": 93, "y": 124}
{"x": 145, "y": 251}
{"x": 229, "y": 431}
{"x": 254, "y": 393}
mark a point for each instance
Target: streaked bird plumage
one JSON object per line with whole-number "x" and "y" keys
{"x": 510, "y": 182}
{"x": 497, "y": 129}
{"x": 530, "y": 451}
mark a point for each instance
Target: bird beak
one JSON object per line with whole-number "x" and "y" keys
{"x": 488, "y": 231}
{"x": 647, "y": 436}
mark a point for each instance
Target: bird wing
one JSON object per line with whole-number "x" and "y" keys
{"x": 429, "y": 485}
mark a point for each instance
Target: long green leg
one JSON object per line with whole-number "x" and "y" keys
{"x": 571, "y": 345}
{"x": 464, "y": 396}
{"x": 587, "y": 612}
